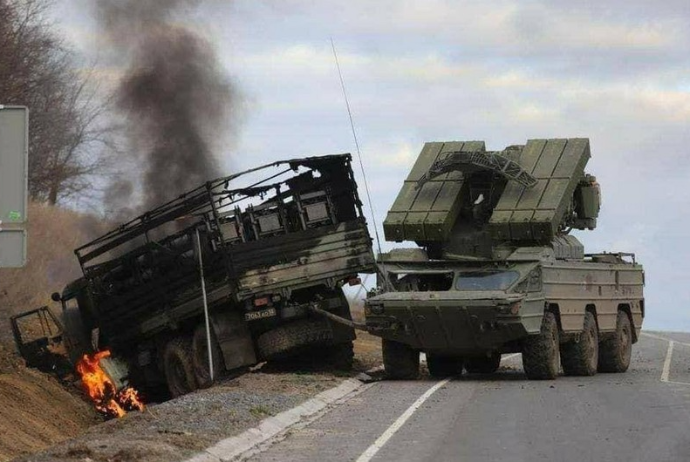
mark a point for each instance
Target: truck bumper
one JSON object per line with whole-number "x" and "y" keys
{"x": 467, "y": 329}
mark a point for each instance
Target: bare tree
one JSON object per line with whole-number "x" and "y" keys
{"x": 68, "y": 136}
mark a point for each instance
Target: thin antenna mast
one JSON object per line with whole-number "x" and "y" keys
{"x": 359, "y": 153}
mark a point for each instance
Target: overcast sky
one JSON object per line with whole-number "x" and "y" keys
{"x": 617, "y": 72}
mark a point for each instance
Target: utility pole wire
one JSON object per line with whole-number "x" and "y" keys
{"x": 359, "y": 153}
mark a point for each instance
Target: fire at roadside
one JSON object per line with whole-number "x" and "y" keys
{"x": 108, "y": 400}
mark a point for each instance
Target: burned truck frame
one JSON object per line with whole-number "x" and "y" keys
{"x": 269, "y": 250}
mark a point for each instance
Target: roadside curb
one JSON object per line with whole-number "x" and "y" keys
{"x": 233, "y": 448}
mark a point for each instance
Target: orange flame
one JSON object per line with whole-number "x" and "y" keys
{"x": 101, "y": 389}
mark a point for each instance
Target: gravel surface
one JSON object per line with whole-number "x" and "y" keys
{"x": 177, "y": 429}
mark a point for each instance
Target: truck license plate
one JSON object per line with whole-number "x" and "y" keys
{"x": 254, "y": 315}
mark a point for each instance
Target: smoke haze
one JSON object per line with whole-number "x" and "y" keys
{"x": 175, "y": 96}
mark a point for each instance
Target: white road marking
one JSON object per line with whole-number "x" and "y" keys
{"x": 666, "y": 370}
{"x": 667, "y": 362}
{"x": 390, "y": 431}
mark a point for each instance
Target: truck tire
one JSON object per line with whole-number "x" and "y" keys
{"x": 294, "y": 337}
{"x": 581, "y": 357}
{"x": 615, "y": 352}
{"x": 483, "y": 364}
{"x": 443, "y": 366}
{"x": 200, "y": 357}
{"x": 540, "y": 352}
{"x": 400, "y": 361}
{"x": 178, "y": 366}
{"x": 340, "y": 357}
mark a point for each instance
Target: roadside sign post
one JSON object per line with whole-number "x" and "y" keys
{"x": 14, "y": 169}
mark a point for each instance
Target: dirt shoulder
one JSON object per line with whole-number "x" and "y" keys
{"x": 36, "y": 411}
{"x": 177, "y": 429}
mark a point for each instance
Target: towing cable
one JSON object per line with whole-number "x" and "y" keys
{"x": 313, "y": 307}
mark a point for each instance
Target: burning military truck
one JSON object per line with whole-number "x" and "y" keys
{"x": 496, "y": 269}
{"x": 220, "y": 278}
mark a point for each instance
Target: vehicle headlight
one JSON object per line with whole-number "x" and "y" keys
{"x": 513, "y": 308}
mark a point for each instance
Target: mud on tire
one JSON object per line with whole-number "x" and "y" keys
{"x": 443, "y": 366}
{"x": 581, "y": 357}
{"x": 615, "y": 352}
{"x": 293, "y": 338}
{"x": 178, "y": 366}
{"x": 540, "y": 355}
{"x": 400, "y": 361}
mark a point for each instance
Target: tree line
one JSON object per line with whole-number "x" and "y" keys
{"x": 68, "y": 135}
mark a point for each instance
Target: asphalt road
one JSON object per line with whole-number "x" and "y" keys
{"x": 642, "y": 415}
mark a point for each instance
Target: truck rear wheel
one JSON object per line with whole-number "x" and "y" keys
{"x": 540, "y": 352}
{"x": 200, "y": 357}
{"x": 340, "y": 356}
{"x": 178, "y": 366}
{"x": 400, "y": 361}
{"x": 294, "y": 337}
{"x": 484, "y": 364}
{"x": 615, "y": 352}
{"x": 443, "y": 366}
{"x": 582, "y": 356}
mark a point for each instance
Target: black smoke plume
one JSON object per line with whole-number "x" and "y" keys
{"x": 174, "y": 95}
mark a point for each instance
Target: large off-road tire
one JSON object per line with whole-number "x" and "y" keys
{"x": 540, "y": 358}
{"x": 178, "y": 366}
{"x": 443, "y": 366}
{"x": 294, "y": 337}
{"x": 581, "y": 356}
{"x": 483, "y": 364}
{"x": 400, "y": 361}
{"x": 615, "y": 352}
{"x": 200, "y": 357}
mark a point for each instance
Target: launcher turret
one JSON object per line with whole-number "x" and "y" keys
{"x": 461, "y": 200}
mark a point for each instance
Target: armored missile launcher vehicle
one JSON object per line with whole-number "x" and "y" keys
{"x": 228, "y": 271}
{"x": 495, "y": 269}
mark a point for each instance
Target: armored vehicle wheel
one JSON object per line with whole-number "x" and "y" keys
{"x": 294, "y": 337}
{"x": 540, "y": 352}
{"x": 178, "y": 366}
{"x": 200, "y": 357}
{"x": 484, "y": 364}
{"x": 615, "y": 352}
{"x": 582, "y": 356}
{"x": 444, "y": 366}
{"x": 400, "y": 361}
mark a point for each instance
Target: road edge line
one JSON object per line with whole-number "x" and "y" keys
{"x": 399, "y": 422}
{"x": 235, "y": 447}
